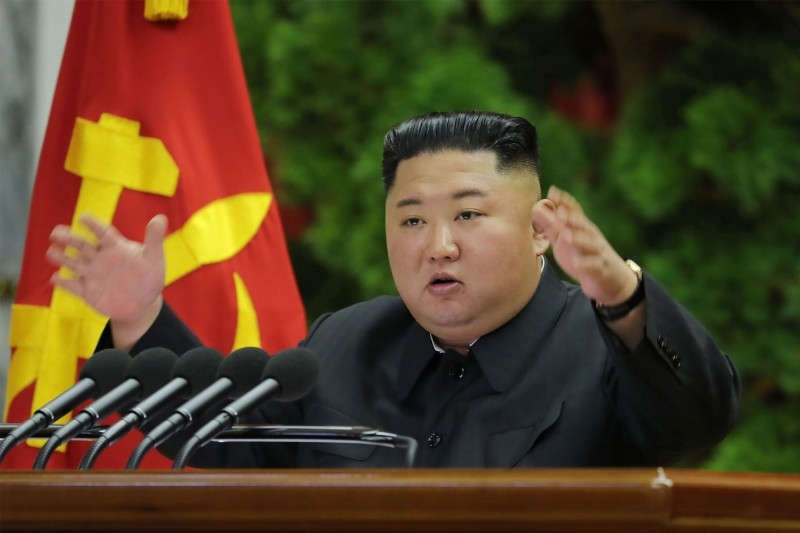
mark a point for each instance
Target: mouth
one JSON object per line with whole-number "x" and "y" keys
{"x": 442, "y": 282}
{"x": 442, "y": 277}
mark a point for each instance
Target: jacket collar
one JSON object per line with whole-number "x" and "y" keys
{"x": 503, "y": 353}
{"x": 500, "y": 354}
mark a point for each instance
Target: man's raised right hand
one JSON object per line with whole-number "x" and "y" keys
{"x": 118, "y": 277}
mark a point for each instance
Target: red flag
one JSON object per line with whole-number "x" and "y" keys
{"x": 151, "y": 117}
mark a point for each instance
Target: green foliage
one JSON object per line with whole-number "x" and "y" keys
{"x": 764, "y": 441}
{"x": 736, "y": 127}
{"x": 501, "y": 13}
{"x": 649, "y": 161}
{"x": 742, "y": 144}
{"x": 699, "y": 179}
{"x": 709, "y": 159}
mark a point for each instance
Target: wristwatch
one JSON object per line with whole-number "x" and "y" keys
{"x": 613, "y": 312}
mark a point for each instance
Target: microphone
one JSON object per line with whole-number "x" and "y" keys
{"x": 99, "y": 374}
{"x": 238, "y": 373}
{"x": 194, "y": 371}
{"x": 146, "y": 372}
{"x": 289, "y": 375}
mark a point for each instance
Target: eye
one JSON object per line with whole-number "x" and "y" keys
{"x": 411, "y": 222}
{"x": 468, "y": 215}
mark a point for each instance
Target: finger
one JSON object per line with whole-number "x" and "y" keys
{"x": 154, "y": 235}
{"x": 55, "y": 255}
{"x": 64, "y": 240}
{"x": 573, "y": 217}
{"x": 64, "y": 235}
{"x": 565, "y": 218}
{"x": 565, "y": 237}
{"x": 95, "y": 225}
{"x": 106, "y": 234}
{"x": 60, "y": 234}
{"x": 585, "y": 242}
{"x": 563, "y": 199}
{"x": 72, "y": 285}
{"x": 580, "y": 222}
{"x": 77, "y": 266}
{"x": 554, "y": 194}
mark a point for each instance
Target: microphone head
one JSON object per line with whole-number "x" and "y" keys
{"x": 198, "y": 366}
{"x": 151, "y": 368}
{"x": 243, "y": 367}
{"x": 106, "y": 368}
{"x": 295, "y": 370}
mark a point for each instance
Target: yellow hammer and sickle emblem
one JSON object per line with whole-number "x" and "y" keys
{"x": 110, "y": 156}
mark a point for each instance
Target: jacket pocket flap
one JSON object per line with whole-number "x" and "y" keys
{"x": 507, "y": 448}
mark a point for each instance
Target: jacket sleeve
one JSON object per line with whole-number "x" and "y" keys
{"x": 676, "y": 392}
{"x": 168, "y": 331}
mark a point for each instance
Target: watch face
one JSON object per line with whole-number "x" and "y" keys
{"x": 636, "y": 268}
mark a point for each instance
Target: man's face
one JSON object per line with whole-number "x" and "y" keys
{"x": 462, "y": 246}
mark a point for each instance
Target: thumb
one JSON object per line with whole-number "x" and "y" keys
{"x": 154, "y": 235}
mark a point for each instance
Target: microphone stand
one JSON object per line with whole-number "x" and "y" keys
{"x": 338, "y": 434}
{"x": 363, "y": 435}
{"x": 47, "y": 432}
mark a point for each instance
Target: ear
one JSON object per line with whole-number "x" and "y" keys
{"x": 543, "y": 215}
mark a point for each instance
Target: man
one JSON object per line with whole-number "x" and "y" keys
{"x": 487, "y": 358}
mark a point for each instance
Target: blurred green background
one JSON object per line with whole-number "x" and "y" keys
{"x": 676, "y": 124}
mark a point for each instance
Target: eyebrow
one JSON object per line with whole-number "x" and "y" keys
{"x": 466, "y": 193}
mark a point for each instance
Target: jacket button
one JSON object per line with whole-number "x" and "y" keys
{"x": 457, "y": 371}
{"x": 434, "y": 440}
{"x": 662, "y": 344}
{"x": 676, "y": 361}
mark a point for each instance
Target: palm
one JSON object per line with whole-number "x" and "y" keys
{"x": 118, "y": 277}
{"x": 122, "y": 280}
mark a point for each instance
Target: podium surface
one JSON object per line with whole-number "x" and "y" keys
{"x": 542, "y": 500}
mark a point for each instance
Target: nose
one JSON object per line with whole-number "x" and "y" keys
{"x": 443, "y": 246}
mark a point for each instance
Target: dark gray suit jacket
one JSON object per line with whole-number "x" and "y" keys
{"x": 551, "y": 388}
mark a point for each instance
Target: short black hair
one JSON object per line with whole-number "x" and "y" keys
{"x": 512, "y": 139}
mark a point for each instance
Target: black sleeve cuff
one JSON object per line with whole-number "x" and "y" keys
{"x": 168, "y": 331}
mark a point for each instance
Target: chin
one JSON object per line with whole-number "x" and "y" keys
{"x": 450, "y": 327}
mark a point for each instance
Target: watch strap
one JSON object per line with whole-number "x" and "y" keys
{"x": 614, "y": 312}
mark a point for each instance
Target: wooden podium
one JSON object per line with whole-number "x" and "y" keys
{"x": 568, "y": 500}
